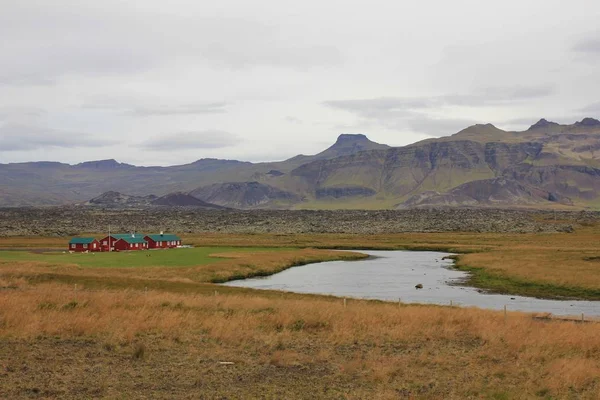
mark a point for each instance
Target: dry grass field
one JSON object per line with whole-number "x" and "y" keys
{"x": 70, "y": 331}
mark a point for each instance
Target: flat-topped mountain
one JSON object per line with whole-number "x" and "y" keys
{"x": 547, "y": 165}
{"x": 345, "y": 144}
{"x": 104, "y": 164}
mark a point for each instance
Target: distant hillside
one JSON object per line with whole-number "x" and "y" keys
{"x": 547, "y": 165}
{"x": 246, "y": 195}
{"x": 113, "y": 199}
{"x": 180, "y": 199}
{"x": 495, "y": 192}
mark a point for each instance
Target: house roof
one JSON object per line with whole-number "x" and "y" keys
{"x": 163, "y": 237}
{"x": 82, "y": 240}
{"x": 130, "y": 239}
{"x": 127, "y": 235}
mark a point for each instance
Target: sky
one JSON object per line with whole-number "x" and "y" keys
{"x": 170, "y": 82}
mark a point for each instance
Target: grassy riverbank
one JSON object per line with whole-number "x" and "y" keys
{"x": 496, "y": 283}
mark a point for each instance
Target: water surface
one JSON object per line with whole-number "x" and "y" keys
{"x": 392, "y": 275}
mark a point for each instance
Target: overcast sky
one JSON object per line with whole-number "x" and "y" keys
{"x": 159, "y": 82}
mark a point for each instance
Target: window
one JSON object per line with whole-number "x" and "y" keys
{"x": 105, "y": 243}
{"x": 72, "y": 245}
{"x": 94, "y": 245}
{"x": 85, "y": 246}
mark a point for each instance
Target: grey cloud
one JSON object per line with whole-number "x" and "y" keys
{"x": 293, "y": 120}
{"x": 23, "y": 137}
{"x": 18, "y": 114}
{"x": 588, "y": 46}
{"x": 593, "y": 108}
{"x": 482, "y": 97}
{"x": 209, "y": 108}
{"x": 206, "y": 139}
{"x": 497, "y": 95}
{"x": 435, "y": 127}
{"x": 43, "y": 43}
{"x": 132, "y": 106}
{"x": 417, "y": 113}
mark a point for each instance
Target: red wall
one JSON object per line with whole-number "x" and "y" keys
{"x": 123, "y": 245}
{"x": 153, "y": 245}
{"x": 79, "y": 247}
{"x": 105, "y": 247}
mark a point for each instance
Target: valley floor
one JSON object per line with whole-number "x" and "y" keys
{"x": 71, "y": 330}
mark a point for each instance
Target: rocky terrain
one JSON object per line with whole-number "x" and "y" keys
{"x": 547, "y": 166}
{"x": 65, "y": 221}
{"x": 116, "y": 199}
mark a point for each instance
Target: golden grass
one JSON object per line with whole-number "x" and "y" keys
{"x": 371, "y": 350}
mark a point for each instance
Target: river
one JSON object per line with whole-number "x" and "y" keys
{"x": 393, "y": 275}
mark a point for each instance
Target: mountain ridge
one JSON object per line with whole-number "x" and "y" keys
{"x": 562, "y": 161}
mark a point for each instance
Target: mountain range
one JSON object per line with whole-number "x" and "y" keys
{"x": 548, "y": 165}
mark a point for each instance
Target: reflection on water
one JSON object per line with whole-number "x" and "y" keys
{"x": 393, "y": 275}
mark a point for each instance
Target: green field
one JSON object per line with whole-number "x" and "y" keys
{"x": 151, "y": 258}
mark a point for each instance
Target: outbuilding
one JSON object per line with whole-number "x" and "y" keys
{"x": 162, "y": 241}
{"x": 83, "y": 244}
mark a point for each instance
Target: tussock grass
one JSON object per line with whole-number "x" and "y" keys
{"x": 369, "y": 349}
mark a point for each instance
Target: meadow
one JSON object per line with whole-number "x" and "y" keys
{"x": 182, "y": 257}
{"x": 77, "y": 330}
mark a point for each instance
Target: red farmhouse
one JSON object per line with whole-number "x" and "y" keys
{"x": 162, "y": 241}
{"x": 131, "y": 243}
{"x": 84, "y": 244}
{"x": 113, "y": 239}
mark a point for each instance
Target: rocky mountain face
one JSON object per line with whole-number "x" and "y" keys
{"x": 547, "y": 165}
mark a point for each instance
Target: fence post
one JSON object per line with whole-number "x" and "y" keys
{"x": 399, "y": 301}
{"x": 344, "y": 302}
{"x": 505, "y": 313}
{"x": 582, "y": 319}
{"x": 450, "y": 303}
